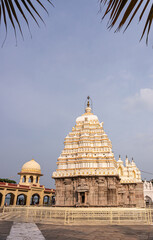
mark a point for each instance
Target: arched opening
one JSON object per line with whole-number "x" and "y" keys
{"x": 31, "y": 179}
{"x": 21, "y": 199}
{"x": 46, "y": 200}
{"x": 148, "y": 201}
{"x": 9, "y": 199}
{"x": 24, "y": 179}
{"x": 37, "y": 179}
{"x": 1, "y": 196}
{"x": 120, "y": 171}
{"x": 35, "y": 199}
{"x": 53, "y": 200}
{"x": 134, "y": 174}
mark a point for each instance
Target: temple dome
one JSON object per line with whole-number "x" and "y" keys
{"x": 31, "y": 167}
{"x": 87, "y": 116}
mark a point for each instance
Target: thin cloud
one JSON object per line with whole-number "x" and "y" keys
{"x": 140, "y": 101}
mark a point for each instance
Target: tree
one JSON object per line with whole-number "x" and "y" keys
{"x": 6, "y": 180}
{"x": 125, "y": 11}
{"x": 11, "y": 9}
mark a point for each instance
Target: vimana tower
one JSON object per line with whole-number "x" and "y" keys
{"x": 87, "y": 173}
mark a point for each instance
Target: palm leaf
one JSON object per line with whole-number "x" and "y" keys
{"x": 9, "y": 8}
{"x": 124, "y": 12}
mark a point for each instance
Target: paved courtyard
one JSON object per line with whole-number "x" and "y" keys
{"x": 96, "y": 232}
{"x": 30, "y": 231}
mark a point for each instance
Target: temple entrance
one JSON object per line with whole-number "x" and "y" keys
{"x": 82, "y": 195}
{"x": 148, "y": 201}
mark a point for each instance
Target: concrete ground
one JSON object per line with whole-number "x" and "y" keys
{"x": 96, "y": 232}
{"x": 62, "y": 232}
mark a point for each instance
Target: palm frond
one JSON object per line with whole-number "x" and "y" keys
{"x": 124, "y": 11}
{"x": 9, "y": 8}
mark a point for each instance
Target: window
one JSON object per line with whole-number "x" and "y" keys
{"x": 36, "y": 179}
{"x": 31, "y": 179}
{"x": 24, "y": 179}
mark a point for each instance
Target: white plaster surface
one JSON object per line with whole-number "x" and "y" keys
{"x": 25, "y": 231}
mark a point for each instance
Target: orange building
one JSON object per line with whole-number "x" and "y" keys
{"x": 28, "y": 191}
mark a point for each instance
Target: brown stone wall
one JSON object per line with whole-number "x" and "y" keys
{"x": 139, "y": 195}
{"x": 98, "y": 191}
{"x": 131, "y": 195}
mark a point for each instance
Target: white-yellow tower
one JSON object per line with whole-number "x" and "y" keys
{"x": 87, "y": 150}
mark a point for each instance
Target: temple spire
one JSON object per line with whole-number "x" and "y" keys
{"x": 88, "y": 103}
{"x": 88, "y": 107}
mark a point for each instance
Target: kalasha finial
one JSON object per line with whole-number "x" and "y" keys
{"x": 88, "y": 103}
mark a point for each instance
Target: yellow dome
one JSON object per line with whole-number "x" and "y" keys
{"x": 31, "y": 167}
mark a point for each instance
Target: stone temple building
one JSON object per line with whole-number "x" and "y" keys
{"x": 87, "y": 173}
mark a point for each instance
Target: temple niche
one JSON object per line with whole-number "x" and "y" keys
{"x": 87, "y": 173}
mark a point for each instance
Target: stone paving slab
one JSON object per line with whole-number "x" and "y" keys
{"x": 96, "y": 232}
{"x": 5, "y": 228}
{"x": 25, "y": 231}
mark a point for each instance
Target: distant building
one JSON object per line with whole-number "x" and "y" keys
{"x": 87, "y": 173}
{"x": 148, "y": 192}
{"x": 28, "y": 191}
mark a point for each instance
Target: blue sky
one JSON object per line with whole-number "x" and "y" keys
{"x": 45, "y": 80}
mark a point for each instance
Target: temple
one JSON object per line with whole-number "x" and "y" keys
{"x": 87, "y": 173}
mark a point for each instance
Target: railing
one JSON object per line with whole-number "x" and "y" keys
{"x": 78, "y": 216}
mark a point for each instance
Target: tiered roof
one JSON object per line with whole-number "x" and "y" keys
{"x": 87, "y": 150}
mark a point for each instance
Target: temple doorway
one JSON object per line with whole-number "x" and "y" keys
{"x": 82, "y": 195}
